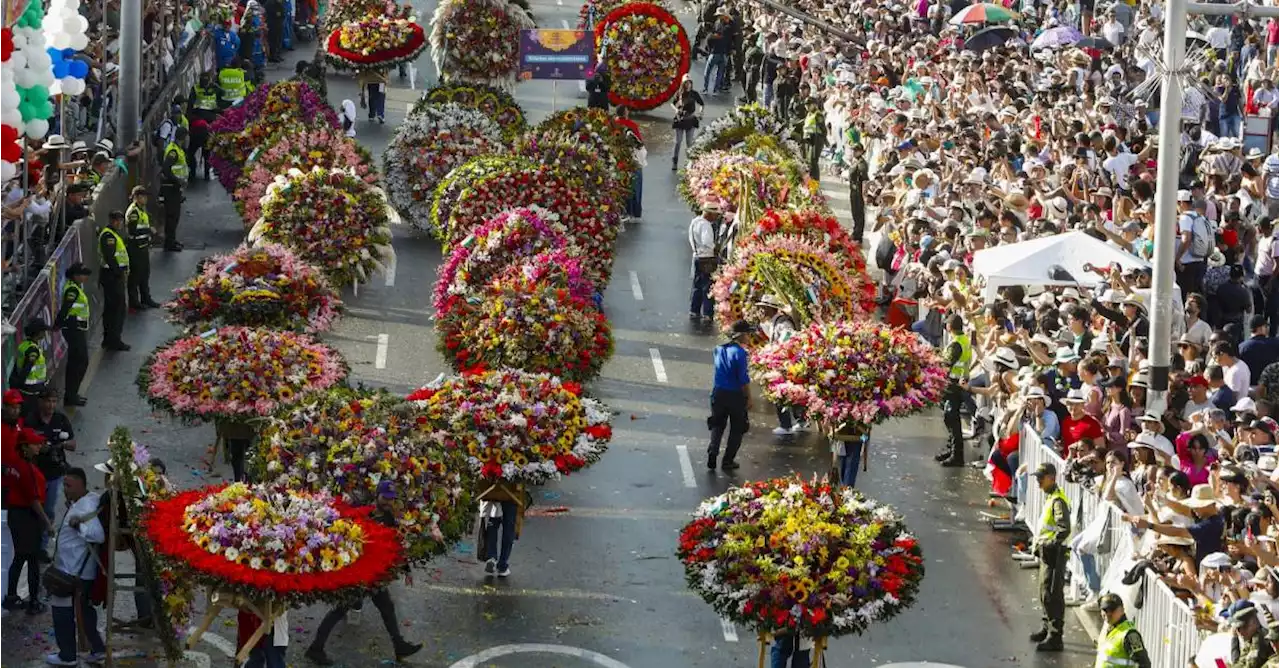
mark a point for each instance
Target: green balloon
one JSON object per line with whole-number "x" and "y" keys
{"x": 27, "y": 112}
{"x": 40, "y": 92}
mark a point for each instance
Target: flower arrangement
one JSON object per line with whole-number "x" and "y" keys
{"x": 696, "y": 176}
{"x": 516, "y": 426}
{"x": 331, "y": 218}
{"x": 803, "y": 275}
{"x": 339, "y": 12}
{"x": 804, "y": 558}
{"x": 580, "y": 163}
{"x": 271, "y": 542}
{"x": 430, "y": 143}
{"x": 511, "y": 236}
{"x": 534, "y": 324}
{"x": 314, "y": 146}
{"x": 375, "y": 41}
{"x": 172, "y": 610}
{"x": 646, "y": 51}
{"x": 285, "y": 106}
{"x": 496, "y": 103}
{"x": 348, "y": 441}
{"x": 597, "y": 130}
{"x": 521, "y": 186}
{"x": 747, "y": 185}
{"x": 266, "y": 286}
{"x": 816, "y": 227}
{"x": 478, "y": 41}
{"x": 846, "y": 372}
{"x": 237, "y": 373}
{"x": 461, "y": 178}
{"x": 738, "y": 126}
{"x": 593, "y": 11}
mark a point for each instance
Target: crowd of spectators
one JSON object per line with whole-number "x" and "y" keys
{"x": 952, "y": 146}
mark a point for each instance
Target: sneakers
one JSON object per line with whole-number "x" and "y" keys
{"x": 729, "y": 465}
{"x": 504, "y": 572}
{"x": 318, "y": 657}
{"x": 490, "y": 565}
{"x": 1039, "y": 636}
{"x": 56, "y": 660}
{"x": 798, "y": 427}
{"x": 780, "y": 431}
{"x": 711, "y": 463}
{"x": 405, "y": 650}
{"x": 96, "y": 658}
{"x": 1050, "y": 644}
{"x": 15, "y": 603}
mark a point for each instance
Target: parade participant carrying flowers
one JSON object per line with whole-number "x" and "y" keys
{"x": 495, "y": 103}
{"x": 646, "y": 52}
{"x": 746, "y": 128}
{"x": 263, "y": 286}
{"x": 601, "y": 133}
{"x": 375, "y": 41}
{"x": 478, "y": 41}
{"x": 331, "y": 218}
{"x": 304, "y": 149}
{"x": 793, "y": 558}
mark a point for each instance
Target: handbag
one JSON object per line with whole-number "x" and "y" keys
{"x": 59, "y": 582}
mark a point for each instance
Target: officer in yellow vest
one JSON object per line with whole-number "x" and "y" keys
{"x": 1119, "y": 644}
{"x": 815, "y": 135}
{"x": 174, "y": 175}
{"x": 203, "y": 101}
{"x": 138, "y": 225}
{"x": 32, "y": 370}
{"x": 234, "y": 84}
{"x": 1050, "y": 545}
{"x": 959, "y": 358}
{"x": 73, "y": 320}
{"x": 114, "y": 255}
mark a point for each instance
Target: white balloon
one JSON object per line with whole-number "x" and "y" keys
{"x": 8, "y": 170}
{"x": 18, "y": 60}
{"x": 56, "y": 88}
{"x": 19, "y": 41}
{"x": 11, "y": 117}
{"x": 72, "y": 86}
{"x": 79, "y": 42}
{"x": 23, "y": 78}
{"x": 37, "y": 128}
{"x": 82, "y": 24}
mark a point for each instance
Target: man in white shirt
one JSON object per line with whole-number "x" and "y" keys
{"x": 1113, "y": 30}
{"x": 704, "y": 242}
{"x": 1234, "y": 370}
{"x": 79, "y": 536}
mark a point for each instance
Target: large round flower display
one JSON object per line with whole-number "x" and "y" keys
{"x": 646, "y": 52}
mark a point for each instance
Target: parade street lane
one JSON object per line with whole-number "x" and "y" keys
{"x": 595, "y": 568}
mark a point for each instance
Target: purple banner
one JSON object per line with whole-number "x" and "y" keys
{"x": 555, "y": 54}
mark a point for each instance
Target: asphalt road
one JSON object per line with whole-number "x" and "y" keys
{"x": 595, "y": 581}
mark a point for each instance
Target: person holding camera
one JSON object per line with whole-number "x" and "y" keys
{"x": 59, "y": 437}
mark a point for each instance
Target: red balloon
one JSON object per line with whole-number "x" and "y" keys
{"x": 9, "y": 149}
{"x": 6, "y": 44}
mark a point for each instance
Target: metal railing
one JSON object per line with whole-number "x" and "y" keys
{"x": 1167, "y": 624}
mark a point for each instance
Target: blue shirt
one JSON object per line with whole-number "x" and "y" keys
{"x": 731, "y": 367}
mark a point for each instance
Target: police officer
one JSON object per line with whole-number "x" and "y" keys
{"x": 815, "y": 135}
{"x": 959, "y": 359}
{"x": 32, "y": 371}
{"x": 138, "y": 223}
{"x": 174, "y": 174}
{"x": 1249, "y": 643}
{"x": 233, "y": 84}
{"x": 203, "y": 101}
{"x": 73, "y": 320}
{"x": 1119, "y": 644}
{"x": 1050, "y": 546}
{"x": 114, "y": 255}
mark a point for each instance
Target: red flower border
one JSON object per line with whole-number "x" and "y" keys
{"x": 333, "y": 49}
{"x": 686, "y": 52}
{"x": 377, "y": 564}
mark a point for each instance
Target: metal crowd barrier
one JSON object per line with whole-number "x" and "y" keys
{"x": 1168, "y": 625}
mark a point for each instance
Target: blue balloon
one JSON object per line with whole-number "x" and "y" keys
{"x": 61, "y": 69}
{"x": 79, "y": 69}
{"x": 54, "y": 54}
{"x": 68, "y": 54}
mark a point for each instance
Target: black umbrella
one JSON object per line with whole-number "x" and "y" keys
{"x": 989, "y": 38}
{"x": 1094, "y": 42}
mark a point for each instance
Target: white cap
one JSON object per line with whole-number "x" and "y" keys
{"x": 1184, "y": 195}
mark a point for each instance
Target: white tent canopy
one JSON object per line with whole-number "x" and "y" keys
{"x": 1043, "y": 261}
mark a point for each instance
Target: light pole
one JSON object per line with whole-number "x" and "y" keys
{"x": 129, "y": 84}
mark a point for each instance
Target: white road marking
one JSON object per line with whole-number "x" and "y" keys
{"x": 563, "y": 22}
{"x": 218, "y": 642}
{"x": 380, "y": 357}
{"x": 686, "y": 466}
{"x": 730, "y": 632}
{"x": 659, "y": 370}
{"x": 391, "y": 274}
{"x": 635, "y": 287}
{"x": 596, "y": 658}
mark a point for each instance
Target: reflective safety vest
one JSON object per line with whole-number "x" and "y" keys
{"x": 1046, "y": 521}
{"x": 231, "y": 81}
{"x": 811, "y": 125}
{"x": 205, "y": 98}
{"x": 182, "y": 121}
{"x": 141, "y": 232}
{"x": 960, "y": 370}
{"x": 80, "y": 308}
{"x": 1111, "y": 651}
{"x": 180, "y": 164}
{"x": 39, "y": 371}
{"x": 122, "y": 253}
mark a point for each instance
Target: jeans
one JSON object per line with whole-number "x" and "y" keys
{"x": 787, "y": 647}
{"x": 768, "y": 95}
{"x": 686, "y": 134}
{"x": 1191, "y": 278}
{"x": 52, "y": 488}
{"x": 728, "y": 410}
{"x": 266, "y": 654}
{"x": 386, "y": 608}
{"x": 700, "y": 301}
{"x": 1092, "y": 578}
{"x": 637, "y": 194}
{"x": 1229, "y": 126}
{"x": 716, "y": 62}
{"x": 377, "y": 100}
{"x": 508, "y": 524}
{"x": 236, "y": 448}
{"x": 66, "y": 632}
{"x": 849, "y": 463}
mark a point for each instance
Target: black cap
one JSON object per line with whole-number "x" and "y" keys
{"x": 741, "y": 328}
{"x": 138, "y": 190}
{"x": 1108, "y": 602}
{"x": 80, "y": 187}
{"x": 1044, "y": 469}
{"x": 78, "y": 269}
{"x": 35, "y": 327}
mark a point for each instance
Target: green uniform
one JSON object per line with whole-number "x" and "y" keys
{"x": 1051, "y": 546}
{"x": 204, "y": 98}
{"x": 73, "y": 320}
{"x": 1120, "y": 646}
{"x": 138, "y": 222}
{"x": 31, "y": 360}
{"x": 113, "y": 277}
{"x": 233, "y": 85}
{"x": 1255, "y": 651}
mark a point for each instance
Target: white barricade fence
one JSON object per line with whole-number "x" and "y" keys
{"x": 1167, "y": 624}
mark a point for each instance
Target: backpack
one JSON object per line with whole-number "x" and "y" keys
{"x": 1201, "y": 237}
{"x": 885, "y": 250}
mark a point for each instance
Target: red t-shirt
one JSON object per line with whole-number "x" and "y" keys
{"x": 1073, "y": 430}
{"x": 22, "y": 479}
